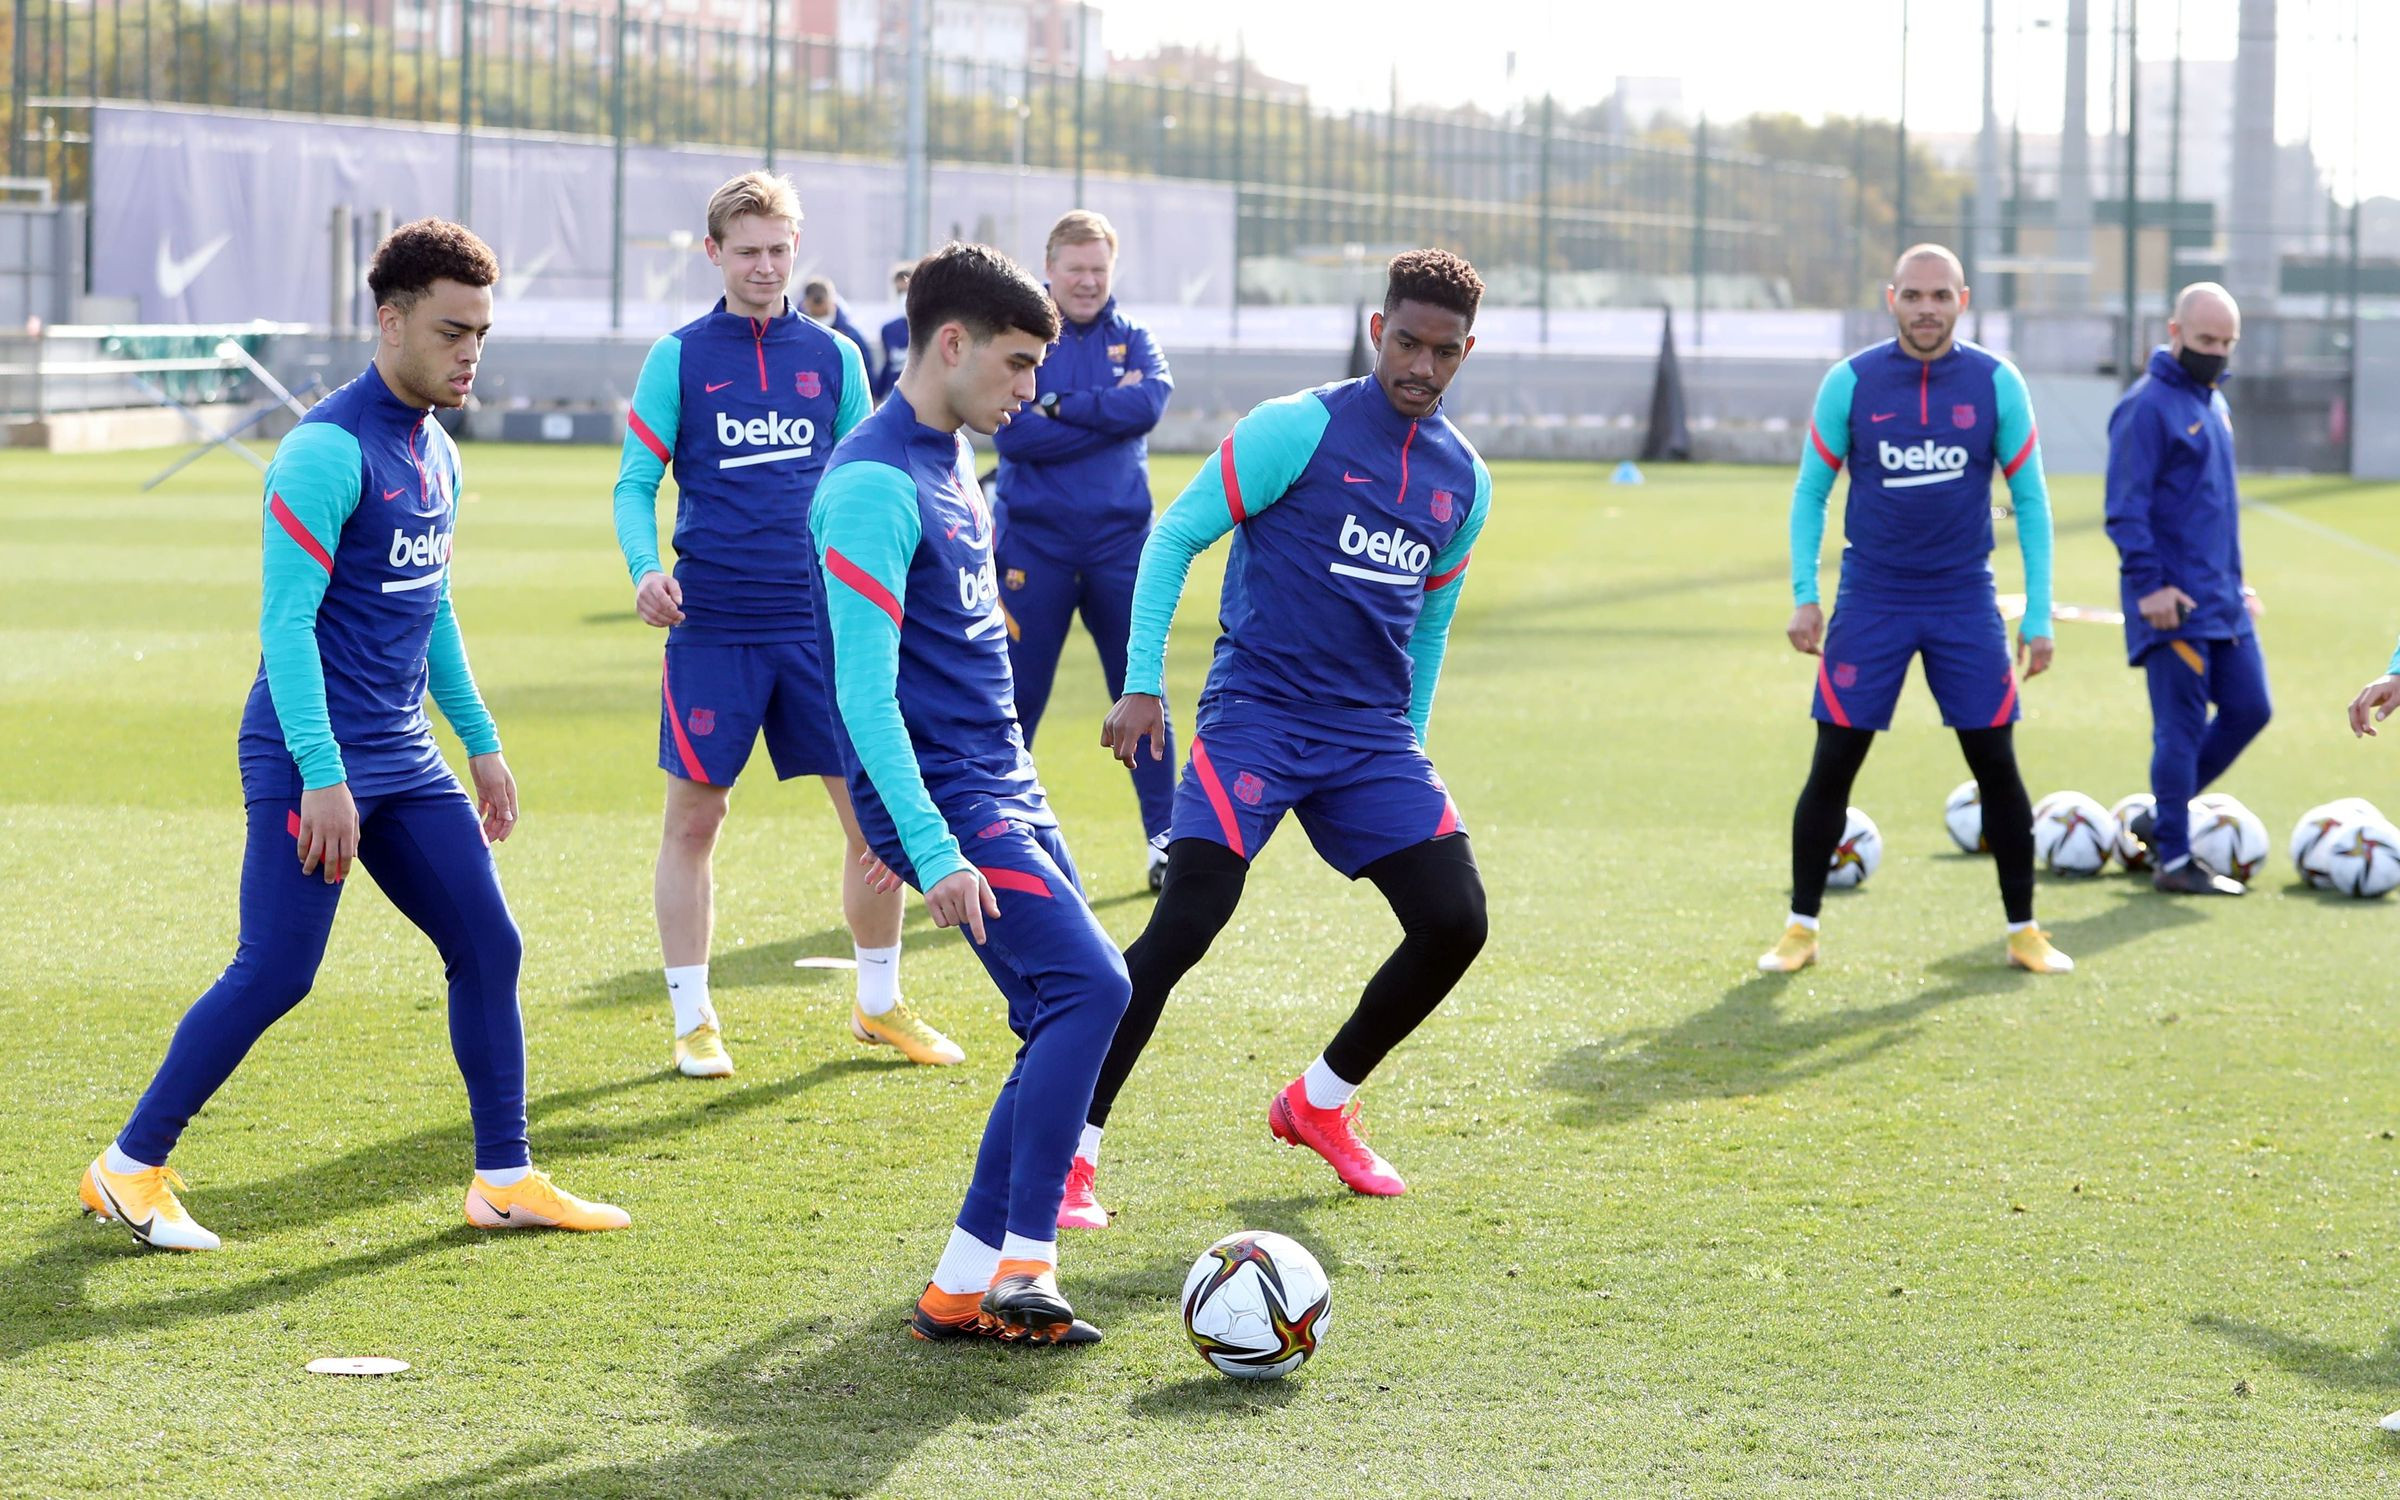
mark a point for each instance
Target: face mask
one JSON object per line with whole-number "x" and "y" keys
{"x": 2207, "y": 369}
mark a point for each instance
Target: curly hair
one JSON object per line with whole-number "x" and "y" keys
{"x": 422, "y": 252}
{"x": 1436, "y": 278}
{"x": 980, "y": 288}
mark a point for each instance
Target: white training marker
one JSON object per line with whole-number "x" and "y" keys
{"x": 824, "y": 963}
{"x": 2390, "y": 1423}
{"x": 368, "y": 1365}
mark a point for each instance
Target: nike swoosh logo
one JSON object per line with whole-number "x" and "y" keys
{"x": 501, "y": 1212}
{"x": 713, "y": 389}
{"x": 2193, "y": 430}
{"x": 1883, "y": 416}
{"x": 950, "y": 534}
{"x": 388, "y": 494}
{"x": 175, "y": 276}
{"x": 142, "y": 1230}
{"x": 1350, "y": 478}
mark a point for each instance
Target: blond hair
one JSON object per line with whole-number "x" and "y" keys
{"x": 1080, "y": 226}
{"x": 767, "y": 194}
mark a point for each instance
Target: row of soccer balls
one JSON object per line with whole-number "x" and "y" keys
{"x": 2346, "y": 845}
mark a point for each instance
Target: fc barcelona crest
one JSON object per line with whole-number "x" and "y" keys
{"x": 1441, "y": 505}
{"x": 1845, "y": 675}
{"x": 811, "y": 387}
{"x": 701, "y": 720}
{"x": 1962, "y": 416}
{"x": 1249, "y": 788}
{"x": 1016, "y": 578}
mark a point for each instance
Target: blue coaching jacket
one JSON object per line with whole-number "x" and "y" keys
{"x": 2173, "y": 510}
{"x": 1077, "y": 485}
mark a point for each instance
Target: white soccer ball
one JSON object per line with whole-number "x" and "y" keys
{"x": 1963, "y": 816}
{"x": 2312, "y": 835}
{"x": 2364, "y": 858}
{"x": 2227, "y": 838}
{"x": 2135, "y": 815}
{"x": 1858, "y": 854}
{"x": 1256, "y": 1305}
{"x": 2073, "y": 834}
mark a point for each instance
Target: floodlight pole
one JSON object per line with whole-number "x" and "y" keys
{"x": 1900, "y": 192}
{"x": 616, "y": 234}
{"x": 2175, "y": 160}
{"x": 1980, "y": 246}
{"x": 466, "y": 110}
{"x": 1241, "y": 93}
{"x": 1083, "y": 24}
{"x": 773, "y": 18}
{"x": 2133, "y": 132}
{"x": 917, "y": 228}
{"x": 1542, "y": 261}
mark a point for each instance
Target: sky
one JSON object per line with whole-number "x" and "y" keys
{"x": 1736, "y": 57}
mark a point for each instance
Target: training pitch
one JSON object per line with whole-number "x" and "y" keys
{"x": 1908, "y": 1223}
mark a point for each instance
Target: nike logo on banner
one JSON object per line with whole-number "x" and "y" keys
{"x": 713, "y": 389}
{"x": 175, "y": 276}
{"x": 388, "y": 494}
{"x": 1350, "y": 478}
{"x": 1883, "y": 416}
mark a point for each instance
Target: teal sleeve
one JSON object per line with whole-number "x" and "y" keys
{"x": 312, "y": 487}
{"x": 1821, "y": 459}
{"x": 2394, "y": 668}
{"x": 650, "y": 427}
{"x": 858, "y": 396}
{"x": 452, "y": 685}
{"x": 1443, "y": 585}
{"x": 864, "y": 521}
{"x": 2018, "y": 449}
{"x": 1250, "y": 470}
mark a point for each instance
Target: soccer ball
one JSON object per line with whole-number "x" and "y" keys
{"x": 2074, "y": 835}
{"x": 2312, "y": 836}
{"x": 2136, "y": 815}
{"x": 2227, "y": 838}
{"x": 1963, "y": 816}
{"x": 2364, "y": 859}
{"x": 1256, "y": 1305}
{"x": 1858, "y": 854}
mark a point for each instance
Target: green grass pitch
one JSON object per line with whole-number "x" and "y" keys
{"x": 1906, "y": 1224}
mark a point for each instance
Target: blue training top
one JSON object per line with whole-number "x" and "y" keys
{"x": 1351, "y": 527}
{"x": 1922, "y": 438}
{"x": 2173, "y": 508}
{"x": 916, "y": 643}
{"x": 1077, "y": 485}
{"x": 747, "y": 411}
{"x": 354, "y": 623}
{"x": 895, "y": 357}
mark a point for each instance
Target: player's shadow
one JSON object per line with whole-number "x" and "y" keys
{"x": 44, "y": 1301}
{"x": 825, "y": 1406}
{"x": 1747, "y": 1044}
{"x": 2341, "y": 1369}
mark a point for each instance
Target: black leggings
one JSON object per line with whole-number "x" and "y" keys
{"x": 1434, "y": 889}
{"x": 1824, "y": 808}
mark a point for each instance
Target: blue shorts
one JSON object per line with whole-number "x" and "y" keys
{"x": 1355, "y": 804}
{"x": 1868, "y": 648}
{"x": 716, "y": 699}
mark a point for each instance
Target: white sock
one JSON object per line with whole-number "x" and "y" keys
{"x": 1794, "y": 919}
{"x": 2019, "y": 926}
{"x": 1017, "y": 1247}
{"x": 967, "y": 1264}
{"x": 1325, "y": 1088}
{"x": 1087, "y": 1145}
{"x": 687, "y": 991}
{"x": 878, "y": 978}
{"x": 121, "y": 1164}
{"x": 504, "y": 1176}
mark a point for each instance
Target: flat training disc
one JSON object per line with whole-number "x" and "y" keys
{"x": 363, "y": 1365}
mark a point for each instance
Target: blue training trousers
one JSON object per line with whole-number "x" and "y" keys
{"x": 426, "y": 850}
{"x": 1042, "y": 597}
{"x": 2188, "y": 748}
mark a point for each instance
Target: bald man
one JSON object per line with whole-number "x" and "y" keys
{"x": 2174, "y": 514}
{"x": 1926, "y": 421}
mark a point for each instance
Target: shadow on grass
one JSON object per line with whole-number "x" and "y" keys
{"x": 2310, "y": 1359}
{"x": 832, "y": 1406}
{"x": 1745, "y": 1044}
{"x": 43, "y": 1300}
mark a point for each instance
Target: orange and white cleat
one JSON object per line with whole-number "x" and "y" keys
{"x": 1331, "y": 1134}
{"x": 535, "y": 1202}
{"x": 145, "y": 1203}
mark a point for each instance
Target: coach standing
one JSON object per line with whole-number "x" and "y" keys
{"x": 1075, "y": 478}
{"x": 2173, "y": 512}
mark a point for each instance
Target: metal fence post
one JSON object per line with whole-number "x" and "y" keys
{"x": 1542, "y": 254}
{"x": 1241, "y": 90}
{"x": 466, "y": 110}
{"x": 16, "y": 120}
{"x": 1083, "y": 21}
{"x": 773, "y": 16}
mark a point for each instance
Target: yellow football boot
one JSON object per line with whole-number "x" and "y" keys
{"x": 700, "y": 1053}
{"x": 902, "y": 1028}
{"x": 1794, "y": 951}
{"x": 2030, "y": 950}
{"x": 145, "y": 1203}
{"x": 535, "y": 1202}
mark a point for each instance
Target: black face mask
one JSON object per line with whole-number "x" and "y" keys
{"x": 2207, "y": 369}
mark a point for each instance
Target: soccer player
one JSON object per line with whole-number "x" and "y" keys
{"x": 338, "y": 761}
{"x": 2377, "y": 701}
{"x": 824, "y": 306}
{"x": 1924, "y": 417}
{"x": 940, "y": 776}
{"x": 893, "y": 337}
{"x": 1075, "y": 476}
{"x": 2174, "y": 513}
{"x": 1352, "y": 509}
{"x": 746, "y": 403}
